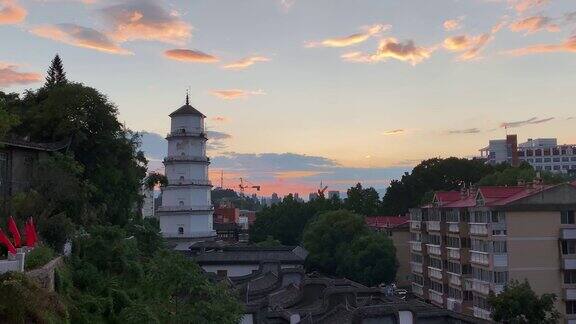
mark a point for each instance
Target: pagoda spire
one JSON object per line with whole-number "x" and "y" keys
{"x": 187, "y": 97}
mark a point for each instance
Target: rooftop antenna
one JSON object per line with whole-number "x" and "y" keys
{"x": 188, "y": 96}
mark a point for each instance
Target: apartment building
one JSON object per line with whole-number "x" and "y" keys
{"x": 542, "y": 153}
{"x": 466, "y": 244}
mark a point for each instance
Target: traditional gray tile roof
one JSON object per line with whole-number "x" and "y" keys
{"x": 186, "y": 110}
{"x": 238, "y": 254}
{"x": 22, "y": 143}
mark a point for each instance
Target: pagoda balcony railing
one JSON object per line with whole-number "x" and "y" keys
{"x": 184, "y": 208}
{"x": 186, "y": 158}
{"x": 184, "y": 182}
{"x": 198, "y": 133}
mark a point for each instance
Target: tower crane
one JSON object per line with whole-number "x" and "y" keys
{"x": 248, "y": 185}
{"x": 322, "y": 190}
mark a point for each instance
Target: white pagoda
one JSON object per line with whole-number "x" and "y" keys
{"x": 186, "y": 210}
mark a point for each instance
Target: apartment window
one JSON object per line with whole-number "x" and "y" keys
{"x": 500, "y": 277}
{"x": 565, "y": 159}
{"x": 481, "y": 274}
{"x": 453, "y": 216}
{"x": 546, "y": 151}
{"x": 415, "y": 237}
{"x": 555, "y": 152}
{"x": 573, "y": 167}
{"x": 538, "y": 152}
{"x": 538, "y": 167}
{"x": 480, "y": 217}
{"x": 538, "y": 160}
{"x": 563, "y": 151}
{"x": 529, "y": 153}
{"x": 548, "y": 168}
{"x": 573, "y": 158}
{"x": 480, "y": 245}
{"x": 570, "y": 276}
{"x": 435, "y": 263}
{"x": 556, "y": 159}
{"x": 454, "y": 267}
{"x": 416, "y": 257}
{"x": 453, "y": 242}
{"x": 481, "y": 302}
{"x": 565, "y": 167}
{"x": 498, "y": 217}
{"x": 569, "y": 247}
{"x": 180, "y": 230}
{"x": 434, "y": 239}
{"x": 556, "y": 167}
{"x": 418, "y": 279}
{"x": 468, "y": 295}
{"x": 500, "y": 247}
{"x": 547, "y": 160}
{"x": 465, "y": 216}
{"x": 436, "y": 286}
{"x": 499, "y": 232}
{"x": 530, "y": 160}
{"x": 570, "y": 307}
{"x": 454, "y": 293}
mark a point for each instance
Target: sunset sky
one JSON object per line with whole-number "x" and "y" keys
{"x": 302, "y": 91}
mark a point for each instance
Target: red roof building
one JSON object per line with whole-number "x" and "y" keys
{"x": 385, "y": 222}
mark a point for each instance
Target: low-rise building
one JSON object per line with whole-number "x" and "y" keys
{"x": 466, "y": 245}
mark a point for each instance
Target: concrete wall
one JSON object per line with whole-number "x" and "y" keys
{"x": 197, "y": 225}
{"x": 533, "y": 251}
{"x": 400, "y": 239}
{"x": 188, "y": 171}
{"x": 190, "y": 196}
{"x": 44, "y": 276}
{"x": 190, "y": 123}
{"x": 13, "y": 263}
{"x": 186, "y": 146}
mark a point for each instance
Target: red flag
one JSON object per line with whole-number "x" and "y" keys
{"x": 4, "y": 240}
{"x": 14, "y": 231}
{"x": 28, "y": 233}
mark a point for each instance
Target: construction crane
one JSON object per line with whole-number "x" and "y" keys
{"x": 249, "y": 185}
{"x": 322, "y": 190}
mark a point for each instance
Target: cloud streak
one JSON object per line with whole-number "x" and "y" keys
{"x": 9, "y": 76}
{"x": 522, "y": 6}
{"x": 146, "y": 20}
{"x": 568, "y": 46}
{"x": 470, "y": 46}
{"x": 245, "y": 62}
{"x": 393, "y": 132}
{"x": 521, "y": 123}
{"x": 534, "y": 24}
{"x": 231, "y": 94}
{"x": 350, "y": 40}
{"x": 391, "y": 48}
{"x": 194, "y": 56}
{"x": 453, "y": 24}
{"x": 11, "y": 12}
{"x": 79, "y": 36}
{"x": 463, "y": 131}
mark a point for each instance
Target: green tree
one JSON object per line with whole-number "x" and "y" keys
{"x": 269, "y": 242}
{"x": 155, "y": 178}
{"x": 7, "y": 119}
{"x": 511, "y": 176}
{"x": 430, "y": 175}
{"x": 373, "y": 259}
{"x": 364, "y": 201}
{"x": 519, "y": 304}
{"x": 56, "y": 75}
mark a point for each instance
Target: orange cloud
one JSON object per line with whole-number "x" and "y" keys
{"x": 470, "y": 46}
{"x": 453, "y": 24}
{"x": 219, "y": 119}
{"x": 524, "y": 5}
{"x": 245, "y": 62}
{"x": 534, "y": 24}
{"x": 187, "y": 55}
{"x": 146, "y": 20}
{"x": 393, "y": 132}
{"x": 352, "y": 39}
{"x": 392, "y": 48}
{"x": 79, "y": 36}
{"x": 9, "y": 76}
{"x": 11, "y": 12}
{"x": 232, "y": 94}
{"x": 567, "y": 46}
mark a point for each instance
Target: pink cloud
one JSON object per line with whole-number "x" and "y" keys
{"x": 231, "y": 94}
{"x": 350, "y": 40}
{"x": 524, "y": 5}
{"x": 146, "y": 20}
{"x": 80, "y": 36}
{"x": 391, "y": 48}
{"x": 568, "y": 46}
{"x": 9, "y": 76}
{"x": 11, "y": 12}
{"x": 245, "y": 62}
{"x": 453, "y": 24}
{"x": 187, "y": 55}
{"x": 470, "y": 46}
{"x": 534, "y": 24}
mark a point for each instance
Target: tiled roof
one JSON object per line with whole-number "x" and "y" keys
{"x": 186, "y": 110}
{"x": 50, "y": 147}
{"x": 447, "y": 196}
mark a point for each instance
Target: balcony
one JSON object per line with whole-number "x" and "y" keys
{"x": 478, "y": 229}
{"x": 433, "y": 225}
{"x": 454, "y": 279}
{"x": 416, "y": 267}
{"x": 454, "y": 305}
{"x": 479, "y": 258}
{"x": 186, "y": 158}
{"x": 415, "y": 225}
{"x": 417, "y": 289}
{"x": 481, "y": 313}
{"x": 453, "y": 253}
{"x": 435, "y": 273}
{"x": 481, "y": 287}
{"x": 416, "y": 246}
{"x": 185, "y": 133}
{"x": 500, "y": 260}
{"x": 467, "y": 284}
{"x": 185, "y": 208}
{"x": 568, "y": 264}
{"x": 186, "y": 182}
{"x": 433, "y": 249}
{"x": 454, "y": 227}
{"x": 436, "y": 297}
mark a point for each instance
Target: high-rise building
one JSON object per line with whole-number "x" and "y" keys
{"x": 186, "y": 211}
{"x": 542, "y": 153}
{"x": 333, "y": 194}
{"x": 148, "y": 207}
{"x": 466, "y": 245}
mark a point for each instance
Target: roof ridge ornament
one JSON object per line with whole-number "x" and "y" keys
{"x": 187, "y": 97}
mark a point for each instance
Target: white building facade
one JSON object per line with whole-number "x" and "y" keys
{"x": 186, "y": 211}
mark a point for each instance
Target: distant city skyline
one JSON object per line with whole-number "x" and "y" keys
{"x": 297, "y": 92}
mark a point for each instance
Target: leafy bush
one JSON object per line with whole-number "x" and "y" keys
{"x": 39, "y": 257}
{"x": 56, "y": 230}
